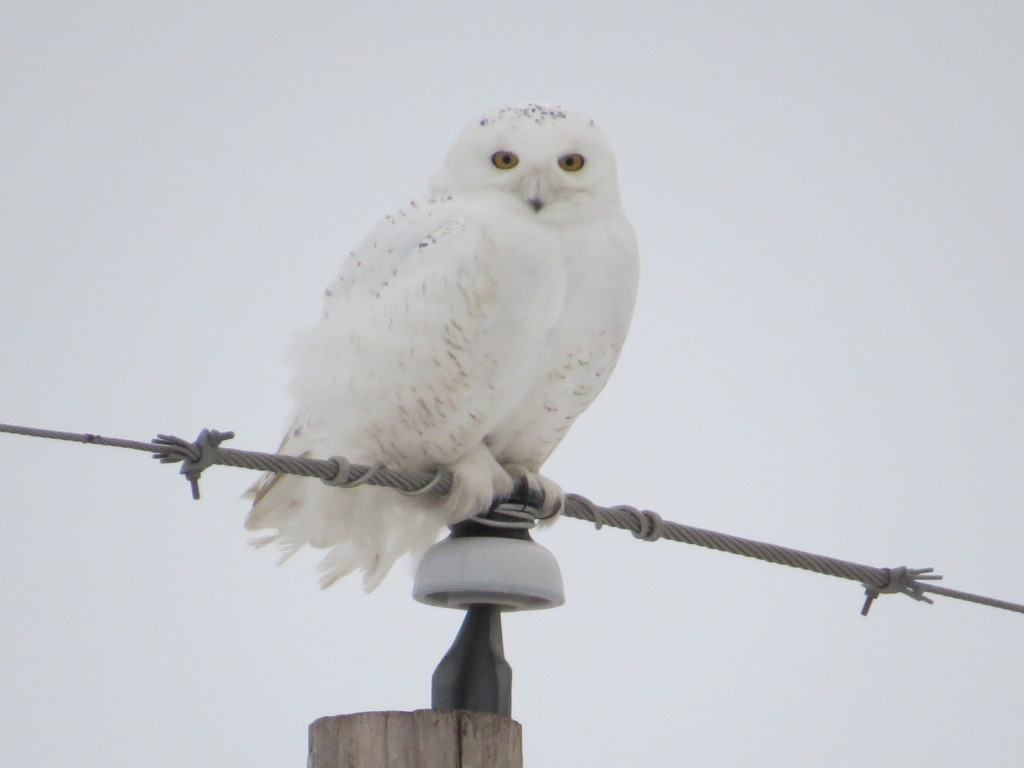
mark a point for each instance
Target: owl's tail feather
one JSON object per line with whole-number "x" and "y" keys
{"x": 365, "y": 528}
{"x": 368, "y": 528}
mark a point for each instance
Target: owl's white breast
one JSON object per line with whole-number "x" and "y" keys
{"x": 580, "y": 283}
{"x": 460, "y": 322}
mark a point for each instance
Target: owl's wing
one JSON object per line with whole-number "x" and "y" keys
{"x": 424, "y": 347}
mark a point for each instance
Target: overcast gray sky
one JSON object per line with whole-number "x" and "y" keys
{"x": 827, "y": 353}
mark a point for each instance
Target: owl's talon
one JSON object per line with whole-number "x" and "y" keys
{"x": 538, "y": 485}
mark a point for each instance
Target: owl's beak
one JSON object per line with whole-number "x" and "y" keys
{"x": 536, "y": 191}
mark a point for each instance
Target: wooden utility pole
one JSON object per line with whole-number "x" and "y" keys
{"x": 425, "y": 738}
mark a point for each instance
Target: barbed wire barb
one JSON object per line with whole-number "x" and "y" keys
{"x": 646, "y": 525}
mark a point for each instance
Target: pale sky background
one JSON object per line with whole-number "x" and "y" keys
{"x": 827, "y": 353}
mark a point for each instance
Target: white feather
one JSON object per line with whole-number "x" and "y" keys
{"x": 467, "y": 331}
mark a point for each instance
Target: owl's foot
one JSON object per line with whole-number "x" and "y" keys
{"x": 477, "y": 479}
{"x": 553, "y": 495}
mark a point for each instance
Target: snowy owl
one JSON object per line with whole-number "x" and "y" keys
{"x": 467, "y": 332}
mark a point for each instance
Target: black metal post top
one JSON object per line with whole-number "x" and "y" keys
{"x": 473, "y": 674}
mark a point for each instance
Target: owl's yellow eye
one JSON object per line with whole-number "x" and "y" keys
{"x": 504, "y": 159}
{"x": 572, "y": 162}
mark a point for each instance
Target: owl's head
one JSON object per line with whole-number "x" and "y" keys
{"x": 539, "y": 160}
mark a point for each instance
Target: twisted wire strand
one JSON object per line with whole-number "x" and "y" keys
{"x": 969, "y": 597}
{"x": 632, "y": 519}
{"x": 643, "y": 524}
{"x": 78, "y": 437}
